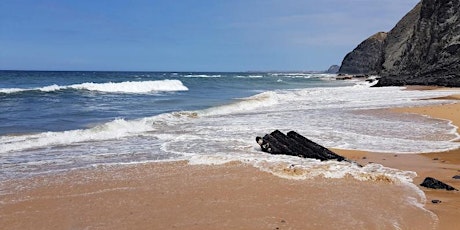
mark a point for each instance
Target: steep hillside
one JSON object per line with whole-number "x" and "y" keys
{"x": 366, "y": 57}
{"x": 422, "y": 49}
{"x": 431, "y": 55}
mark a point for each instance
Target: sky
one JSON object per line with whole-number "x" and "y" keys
{"x": 186, "y": 35}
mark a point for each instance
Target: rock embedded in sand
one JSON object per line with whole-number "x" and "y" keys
{"x": 294, "y": 144}
{"x": 430, "y": 182}
{"x": 456, "y": 177}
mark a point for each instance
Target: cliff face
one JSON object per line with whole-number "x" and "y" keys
{"x": 366, "y": 57}
{"x": 422, "y": 49}
{"x": 397, "y": 41}
{"x": 431, "y": 55}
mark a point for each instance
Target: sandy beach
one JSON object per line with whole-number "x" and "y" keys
{"x": 177, "y": 195}
{"x": 228, "y": 115}
{"x": 442, "y": 166}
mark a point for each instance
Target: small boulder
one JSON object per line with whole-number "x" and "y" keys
{"x": 430, "y": 182}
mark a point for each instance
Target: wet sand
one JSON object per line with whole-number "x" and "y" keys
{"x": 232, "y": 196}
{"x": 442, "y": 166}
{"x": 182, "y": 196}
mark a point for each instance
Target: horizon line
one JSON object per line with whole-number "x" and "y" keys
{"x": 169, "y": 71}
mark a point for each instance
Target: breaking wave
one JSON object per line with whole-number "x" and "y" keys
{"x": 249, "y": 104}
{"x": 202, "y": 76}
{"x": 321, "y": 109}
{"x": 111, "y": 87}
{"x": 115, "y": 129}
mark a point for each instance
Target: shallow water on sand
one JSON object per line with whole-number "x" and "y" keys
{"x": 231, "y": 196}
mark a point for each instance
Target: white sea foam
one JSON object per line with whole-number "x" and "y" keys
{"x": 249, "y": 76}
{"x": 300, "y": 168}
{"x": 203, "y": 76}
{"x": 12, "y": 90}
{"x": 329, "y": 116}
{"x": 323, "y": 114}
{"x": 252, "y": 103}
{"x": 135, "y": 87}
{"x": 112, "y": 87}
{"x": 118, "y": 128}
{"x": 304, "y": 75}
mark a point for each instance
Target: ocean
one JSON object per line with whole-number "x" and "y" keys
{"x": 57, "y": 122}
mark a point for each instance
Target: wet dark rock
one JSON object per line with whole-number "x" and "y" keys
{"x": 430, "y": 182}
{"x": 436, "y": 201}
{"x": 294, "y": 144}
{"x": 457, "y": 177}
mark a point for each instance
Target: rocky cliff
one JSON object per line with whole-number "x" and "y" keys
{"x": 422, "y": 49}
{"x": 397, "y": 42}
{"x": 366, "y": 57}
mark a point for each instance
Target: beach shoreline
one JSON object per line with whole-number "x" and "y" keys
{"x": 177, "y": 195}
{"x": 440, "y": 165}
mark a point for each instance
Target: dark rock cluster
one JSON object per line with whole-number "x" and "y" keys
{"x": 422, "y": 49}
{"x": 294, "y": 144}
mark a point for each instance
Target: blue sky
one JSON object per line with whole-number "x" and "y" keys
{"x": 186, "y": 35}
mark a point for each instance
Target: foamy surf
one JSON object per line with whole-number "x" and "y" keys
{"x": 111, "y": 87}
{"x": 265, "y": 99}
{"x": 332, "y": 117}
{"x": 203, "y": 76}
{"x": 220, "y": 129}
{"x": 116, "y": 129}
{"x": 327, "y": 116}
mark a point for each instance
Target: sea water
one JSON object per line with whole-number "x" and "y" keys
{"x": 54, "y": 122}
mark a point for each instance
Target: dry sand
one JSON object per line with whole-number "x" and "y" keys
{"x": 231, "y": 196}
